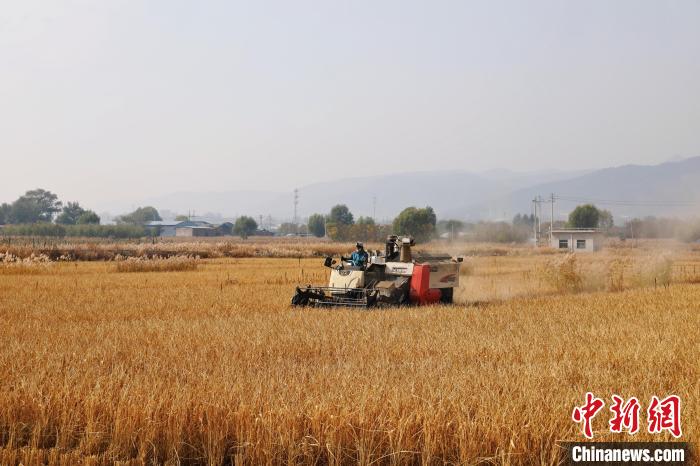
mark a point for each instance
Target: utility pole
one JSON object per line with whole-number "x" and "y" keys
{"x": 374, "y": 208}
{"x": 551, "y": 219}
{"x": 538, "y": 213}
{"x": 534, "y": 220}
{"x": 260, "y": 225}
{"x": 296, "y": 204}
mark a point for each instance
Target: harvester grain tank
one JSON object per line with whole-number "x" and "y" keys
{"x": 395, "y": 276}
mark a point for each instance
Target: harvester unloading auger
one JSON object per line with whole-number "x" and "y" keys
{"x": 393, "y": 277}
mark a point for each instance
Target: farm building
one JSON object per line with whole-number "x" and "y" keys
{"x": 577, "y": 239}
{"x": 185, "y": 228}
{"x": 197, "y": 231}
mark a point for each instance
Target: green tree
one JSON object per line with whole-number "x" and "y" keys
{"x": 584, "y": 216}
{"x": 47, "y": 201}
{"x": 37, "y": 205}
{"x": 245, "y": 226}
{"x": 605, "y": 220}
{"x": 140, "y": 216}
{"x": 5, "y": 210}
{"x": 24, "y": 210}
{"x": 341, "y": 215}
{"x": 88, "y": 218}
{"x": 35, "y": 229}
{"x": 365, "y": 229}
{"x": 181, "y": 218}
{"x": 524, "y": 219}
{"x": 419, "y": 223}
{"x": 70, "y": 214}
{"x": 317, "y": 225}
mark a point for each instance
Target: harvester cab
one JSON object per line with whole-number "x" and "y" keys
{"x": 392, "y": 277}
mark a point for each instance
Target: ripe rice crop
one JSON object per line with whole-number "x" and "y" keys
{"x": 157, "y": 264}
{"x": 212, "y": 366}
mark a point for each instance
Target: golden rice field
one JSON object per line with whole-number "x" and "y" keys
{"x": 103, "y": 363}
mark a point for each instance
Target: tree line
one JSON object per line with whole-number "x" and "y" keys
{"x": 340, "y": 225}
{"x": 39, "y": 212}
{"x": 42, "y": 206}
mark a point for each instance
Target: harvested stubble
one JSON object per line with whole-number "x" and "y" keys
{"x": 212, "y": 366}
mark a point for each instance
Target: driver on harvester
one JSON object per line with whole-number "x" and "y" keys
{"x": 359, "y": 257}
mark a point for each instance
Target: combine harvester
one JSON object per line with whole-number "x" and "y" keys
{"x": 392, "y": 278}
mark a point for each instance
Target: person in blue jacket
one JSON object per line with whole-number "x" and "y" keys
{"x": 359, "y": 257}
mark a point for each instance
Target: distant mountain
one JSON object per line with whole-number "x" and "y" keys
{"x": 670, "y": 189}
{"x": 208, "y": 205}
{"x": 630, "y": 190}
{"x": 396, "y": 192}
{"x": 385, "y": 195}
{"x": 389, "y": 193}
{"x": 517, "y": 180}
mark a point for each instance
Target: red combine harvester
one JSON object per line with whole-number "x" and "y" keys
{"x": 393, "y": 277}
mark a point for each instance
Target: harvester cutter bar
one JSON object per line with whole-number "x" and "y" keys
{"x": 325, "y": 296}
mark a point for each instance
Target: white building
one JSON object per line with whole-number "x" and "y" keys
{"x": 184, "y": 228}
{"x": 577, "y": 239}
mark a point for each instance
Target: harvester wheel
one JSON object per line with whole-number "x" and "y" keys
{"x": 446, "y": 295}
{"x": 300, "y": 298}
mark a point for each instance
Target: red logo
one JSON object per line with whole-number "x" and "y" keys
{"x": 665, "y": 415}
{"x": 662, "y": 415}
{"x": 585, "y": 414}
{"x": 626, "y": 415}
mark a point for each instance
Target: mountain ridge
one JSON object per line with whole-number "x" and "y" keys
{"x": 491, "y": 195}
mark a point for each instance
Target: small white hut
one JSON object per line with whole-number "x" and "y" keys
{"x": 577, "y": 239}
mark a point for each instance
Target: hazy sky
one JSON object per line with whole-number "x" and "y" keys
{"x": 104, "y": 99}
